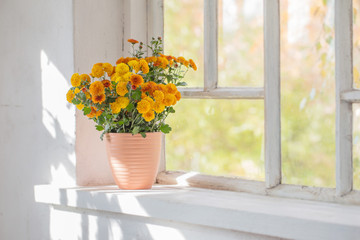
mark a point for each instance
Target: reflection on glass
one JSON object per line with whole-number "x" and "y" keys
{"x": 218, "y": 137}
{"x": 240, "y": 43}
{"x": 356, "y": 41}
{"x": 184, "y": 35}
{"x": 308, "y": 92}
{"x": 356, "y": 145}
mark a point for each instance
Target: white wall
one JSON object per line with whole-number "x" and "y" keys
{"x": 37, "y": 126}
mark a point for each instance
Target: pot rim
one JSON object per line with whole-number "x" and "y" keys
{"x": 130, "y": 134}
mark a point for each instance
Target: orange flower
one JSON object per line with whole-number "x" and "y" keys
{"x": 178, "y": 95}
{"x": 171, "y": 88}
{"x": 148, "y": 116}
{"x": 143, "y": 106}
{"x": 136, "y": 80}
{"x": 158, "y": 107}
{"x": 97, "y": 88}
{"x": 192, "y": 64}
{"x": 158, "y": 95}
{"x": 169, "y": 100}
{"x": 98, "y": 98}
{"x": 97, "y": 70}
{"x": 133, "y": 41}
{"x": 98, "y": 113}
{"x": 106, "y": 83}
{"x": 108, "y": 68}
{"x": 92, "y": 113}
{"x": 84, "y": 77}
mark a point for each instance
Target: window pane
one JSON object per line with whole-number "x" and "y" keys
{"x": 240, "y": 43}
{"x": 218, "y": 137}
{"x": 308, "y": 92}
{"x": 356, "y": 39}
{"x": 184, "y": 35}
{"x": 356, "y": 145}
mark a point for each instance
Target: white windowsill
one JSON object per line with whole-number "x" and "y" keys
{"x": 272, "y": 216}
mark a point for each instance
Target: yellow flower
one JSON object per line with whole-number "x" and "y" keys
{"x": 97, "y": 70}
{"x": 97, "y": 88}
{"x": 123, "y": 101}
{"x": 158, "y": 95}
{"x": 87, "y": 95}
{"x": 121, "y": 88}
{"x": 144, "y": 66}
{"x": 85, "y": 78}
{"x": 192, "y": 64}
{"x": 143, "y": 106}
{"x": 80, "y": 106}
{"x": 171, "y": 88}
{"x": 98, "y": 98}
{"x": 148, "y": 116}
{"x": 169, "y": 99}
{"x": 70, "y": 96}
{"x": 158, "y": 107}
{"x": 136, "y": 80}
{"x": 150, "y": 100}
{"x": 77, "y": 90}
{"x": 108, "y": 68}
{"x": 115, "y": 107}
{"x": 75, "y": 80}
{"x": 122, "y": 68}
{"x": 135, "y": 65}
{"x": 125, "y": 77}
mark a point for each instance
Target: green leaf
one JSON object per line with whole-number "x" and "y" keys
{"x": 143, "y": 134}
{"x": 120, "y": 122}
{"x": 171, "y": 110}
{"x": 136, "y": 95}
{"x": 76, "y": 101}
{"x": 181, "y": 84}
{"x": 101, "y": 119}
{"x": 87, "y": 110}
{"x": 130, "y": 107}
{"x": 165, "y": 128}
{"x": 99, "y": 127}
{"x": 136, "y": 130}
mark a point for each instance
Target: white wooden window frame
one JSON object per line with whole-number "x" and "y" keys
{"x": 346, "y": 95}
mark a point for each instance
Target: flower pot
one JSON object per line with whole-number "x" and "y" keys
{"x": 134, "y": 160}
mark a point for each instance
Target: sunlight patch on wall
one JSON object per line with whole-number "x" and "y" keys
{"x": 55, "y": 110}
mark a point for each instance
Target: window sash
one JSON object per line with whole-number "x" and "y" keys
{"x": 345, "y": 96}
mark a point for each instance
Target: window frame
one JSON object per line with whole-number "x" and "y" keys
{"x": 346, "y": 95}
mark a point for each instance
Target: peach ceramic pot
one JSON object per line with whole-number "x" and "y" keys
{"x": 134, "y": 160}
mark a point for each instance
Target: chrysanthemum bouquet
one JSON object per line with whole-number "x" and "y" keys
{"x": 136, "y": 95}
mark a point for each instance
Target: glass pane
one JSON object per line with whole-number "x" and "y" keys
{"x": 184, "y": 35}
{"x": 240, "y": 43}
{"x": 356, "y": 39}
{"x": 308, "y": 92}
{"x": 356, "y": 145}
{"x": 218, "y": 137}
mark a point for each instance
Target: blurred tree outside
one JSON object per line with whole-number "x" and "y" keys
{"x": 225, "y": 137}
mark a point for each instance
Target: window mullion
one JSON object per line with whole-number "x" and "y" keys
{"x": 210, "y": 45}
{"x": 344, "y": 78}
{"x": 272, "y": 93}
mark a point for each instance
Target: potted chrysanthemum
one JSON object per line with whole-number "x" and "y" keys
{"x": 129, "y": 103}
